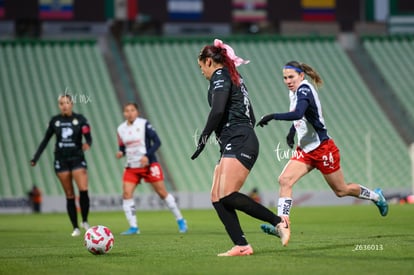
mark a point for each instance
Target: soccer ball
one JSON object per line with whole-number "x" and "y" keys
{"x": 99, "y": 240}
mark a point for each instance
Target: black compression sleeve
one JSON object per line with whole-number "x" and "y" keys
{"x": 122, "y": 149}
{"x": 88, "y": 138}
{"x": 43, "y": 144}
{"x": 218, "y": 106}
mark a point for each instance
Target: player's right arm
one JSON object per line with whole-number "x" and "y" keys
{"x": 43, "y": 144}
{"x": 121, "y": 146}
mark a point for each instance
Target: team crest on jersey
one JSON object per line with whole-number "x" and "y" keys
{"x": 75, "y": 122}
{"x": 57, "y": 123}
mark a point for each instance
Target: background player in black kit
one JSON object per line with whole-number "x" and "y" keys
{"x": 232, "y": 119}
{"x": 70, "y": 164}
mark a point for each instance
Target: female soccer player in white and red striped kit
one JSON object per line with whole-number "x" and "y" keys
{"x": 138, "y": 142}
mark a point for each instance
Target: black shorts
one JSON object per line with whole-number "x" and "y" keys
{"x": 240, "y": 142}
{"x": 69, "y": 165}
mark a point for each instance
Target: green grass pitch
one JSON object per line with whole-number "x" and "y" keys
{"x": 325, "y": 240}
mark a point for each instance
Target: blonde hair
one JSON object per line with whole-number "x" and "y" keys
{"x": 308, "y": 70}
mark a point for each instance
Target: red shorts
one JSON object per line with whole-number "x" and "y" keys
{"x": 151, "y": 173}
{"x": 325, "y": 158}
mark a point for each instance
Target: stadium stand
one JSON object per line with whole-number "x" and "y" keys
{"x": 173, "y": 92}
{"x": 36, "y": 73}
{"x": 393, "y": 57}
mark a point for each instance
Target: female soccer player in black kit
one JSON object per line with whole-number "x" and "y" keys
{"x": 231, "y": 118}
{"x": 69, "y": 128}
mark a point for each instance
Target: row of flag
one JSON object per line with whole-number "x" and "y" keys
{"x": 243, "y": 10}
{"x": 64, "y": 9}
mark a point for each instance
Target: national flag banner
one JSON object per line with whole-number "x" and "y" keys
{"x": 185, "y": 9}
{"x": 125, "y": 9}
{"x": 318, "y": 10}
{"x": 56, "y": 9}
{"x": 2, "y": 10}
{"x": 249, "y": 10}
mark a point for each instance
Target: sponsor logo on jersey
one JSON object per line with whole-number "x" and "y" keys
{"x": 245, "y": 156}
{"x": 66, "y": 132}
{"x": 304, "y": 90}
{"x": 218, "y": 84}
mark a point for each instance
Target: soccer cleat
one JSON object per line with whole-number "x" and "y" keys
{"x": 182, "y": 226}
{"x": 76, "y": 232}
{"x": 283, "y": 230}
{"x": 269, "y": 229}
{"x": 85, "y": 225}
{"x": 131, "y": 231}
{"x": 238, "y": 250}
{"x": 381, "y": 203}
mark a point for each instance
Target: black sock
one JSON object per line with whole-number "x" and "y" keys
{"x": 84, "y": 204}
{"x": 231, "y": 223}
{"x": 246, "y": 204}
{"x": 71, "y": 209}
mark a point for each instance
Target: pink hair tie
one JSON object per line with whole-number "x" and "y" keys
{"x": 230, "y": 53}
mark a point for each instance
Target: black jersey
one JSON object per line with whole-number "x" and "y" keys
{"x": 230, "y": 104}
{"x": 69, "y": 131}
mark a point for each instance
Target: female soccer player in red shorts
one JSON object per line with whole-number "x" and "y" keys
{"x": 138, "y": 142}
{"x": 315, "y": 148}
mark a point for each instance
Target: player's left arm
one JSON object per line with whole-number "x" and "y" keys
{"x": 303, "y": 101}
{"x": 153, "y": 138}
{"x": 86, "y": 132}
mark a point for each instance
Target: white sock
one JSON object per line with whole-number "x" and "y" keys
{"x": 283, "y": 206}
{"x": 368, "y": 194}
{"x": 172, "y": 205}
{"x": 130, "y": 212}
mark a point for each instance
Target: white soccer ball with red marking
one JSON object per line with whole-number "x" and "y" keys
{"x": 99, "y": 240}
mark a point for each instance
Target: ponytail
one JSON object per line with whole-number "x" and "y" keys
{"x": 224, "y": 54}
{"x": 306, "y": 69}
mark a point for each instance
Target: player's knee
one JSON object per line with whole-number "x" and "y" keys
{"x": 285, "y": 181}
{"x": 214, "y": 198}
